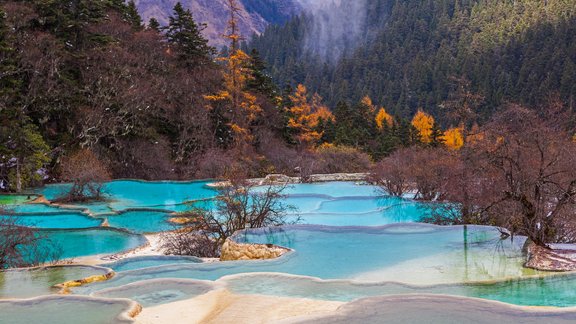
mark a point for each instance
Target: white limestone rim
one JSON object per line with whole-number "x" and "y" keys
{"x": 208, "y": 284}
{"x": 131, "y": 309}
{"x": 347, "y": 310}
{"x": 357, "y": 283}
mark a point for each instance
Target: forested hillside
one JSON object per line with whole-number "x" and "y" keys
{"x": 86, "y": 83}
{"x": 86, "y": 75}
{"x": 408, "y": 53}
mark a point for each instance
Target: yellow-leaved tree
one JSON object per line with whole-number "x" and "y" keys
{"x": 383, "y": 118}
{"x": 453, "y": 138}
{"x": 424, "y": 124}
{"x": 243, "y": 107}
{"x": 305, "y": 117}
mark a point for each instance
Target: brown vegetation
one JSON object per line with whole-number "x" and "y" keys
{"x": 87, "y": 175}
{"x": 20, "y": 246}
{"x": 236, "y": 207}
{"x": 518, "y": 175}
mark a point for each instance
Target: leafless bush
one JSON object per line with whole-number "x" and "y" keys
{"x": 24, "y": 246}
{"x": 188, "y": 241}
{"x": 87, "y": 174}
{"x": 236, "y": 207}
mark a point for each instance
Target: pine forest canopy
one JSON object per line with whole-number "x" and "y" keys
{"x": 406, "y": 52}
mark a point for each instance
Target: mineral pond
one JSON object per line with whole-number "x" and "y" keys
{"x": 352, "y": 244}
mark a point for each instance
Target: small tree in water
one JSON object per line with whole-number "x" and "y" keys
{"x": 239, "y": 205}
{"x": 87, "y": 174}
{"x": 24, "y": 246}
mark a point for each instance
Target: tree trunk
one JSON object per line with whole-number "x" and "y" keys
{"x": 18, "y": 176}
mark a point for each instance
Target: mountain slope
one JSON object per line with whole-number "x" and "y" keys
{"x": 256, "y": 14}
{"x": 519, "y": 51}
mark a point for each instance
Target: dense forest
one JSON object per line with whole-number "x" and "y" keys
{"x": 87, "y": 85}
{"x": 406, "y": 53}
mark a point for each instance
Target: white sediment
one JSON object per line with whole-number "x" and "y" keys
{"x": 221, "y": 306}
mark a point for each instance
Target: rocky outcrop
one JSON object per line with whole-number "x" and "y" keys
{"x": 544, "y": 259}
{"x": 232, "y": 251}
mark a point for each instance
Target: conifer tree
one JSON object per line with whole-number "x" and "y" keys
{"x": 22, "y": 149}
{"x": 153, "y": 24}
{"x": 68, "y": 20}
{"x": 260, "y": 81}
{"x": 132, "y": 16}
{"x": 241, "y": 105}
{"x": 185, "y": 34}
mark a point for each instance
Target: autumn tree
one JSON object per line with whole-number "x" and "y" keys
{"x": 87, "y": 175}
{"x": 185, "y": 35}
{"x": 383, "y": 119}
{"x": 305, "y": 117}
{"x": 234, "y": 104}
{"x": 530, "y": 163}
{"x": 453, "y": 138}
{"x": 424, "y": 124}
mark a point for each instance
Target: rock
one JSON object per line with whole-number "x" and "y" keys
{"x": 232, "y": 251}
{"x": 540, "y": 258}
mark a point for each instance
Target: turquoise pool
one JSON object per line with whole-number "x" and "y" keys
{"x": 70, "y": 309}
{"x": 40, "y": 281}
{"x": 411, "y": 254}
{"x": 149, "y": 262}
{"x": 127, "y": 194}
{"x": 140, "y": 221}
{"x": 352, "y": 242}
{"x": 78, "y": 243}
{"x": 60, "y": 220}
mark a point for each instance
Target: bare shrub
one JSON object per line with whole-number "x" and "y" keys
{"x": 341, "y": 159}
{"x": 87, "y": 174}
{"x": 24, "y": 246}
{"x": 236, "y": 207}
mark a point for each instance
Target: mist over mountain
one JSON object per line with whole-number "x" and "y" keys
{"x": 404, "y": 54}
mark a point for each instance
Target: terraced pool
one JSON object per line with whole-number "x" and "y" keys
{"x": 352, "y": 242}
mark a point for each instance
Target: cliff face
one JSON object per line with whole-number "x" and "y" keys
{"x": 256, "y": 14}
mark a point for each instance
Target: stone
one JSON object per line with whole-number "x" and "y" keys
{"x": 232, "y": 251}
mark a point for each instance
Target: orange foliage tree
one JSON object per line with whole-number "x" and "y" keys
{"x": 424, "y": 124}
{"x": 244, "y": 107}
{"x": 453, "y": 138}
{"x": 306, "y": 116}
{"x": 383, "y": 118}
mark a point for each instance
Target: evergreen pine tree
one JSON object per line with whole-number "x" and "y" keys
{"x": 153, "y": 24}
{"x": 22, "y": 149}
{"x": 132, "y": 16}
{"x": 260, "y": 81}
{"x": 185, "y": 34}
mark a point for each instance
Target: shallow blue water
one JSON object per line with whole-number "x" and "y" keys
{"x": 76, "y": 243}
{"x": 149, "y": 261}
{"x": 158, "y": 292}
{"x": 141, "y": 221}
{"x": 125, "y": 194}
{"x": 40, "y": 209}
{"x": 330, "y": 189}
{"x": 54, "y": 221}
{"x": 365, "y": 254}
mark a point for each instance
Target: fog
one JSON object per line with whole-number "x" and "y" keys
{"x": 337, "y": 29}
